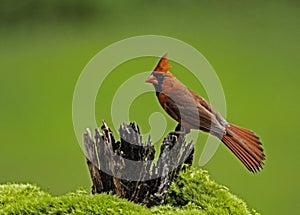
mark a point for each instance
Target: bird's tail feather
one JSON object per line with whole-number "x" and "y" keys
{"x": 245, "y": 145}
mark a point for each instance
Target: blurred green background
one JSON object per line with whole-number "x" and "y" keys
{"x": 253, "y": 47}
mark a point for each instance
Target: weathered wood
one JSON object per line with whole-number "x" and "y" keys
{"x": 112, "y": 163}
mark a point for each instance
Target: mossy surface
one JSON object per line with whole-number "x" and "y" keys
{"x": 29, "y": 199}
{"x": 192, "y": 193}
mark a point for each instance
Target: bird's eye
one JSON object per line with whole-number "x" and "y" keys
{"x": 160, "y": 77}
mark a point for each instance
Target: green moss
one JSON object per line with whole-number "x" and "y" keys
{"x": 192, "y": 193}
{"x": 29, "y": 199}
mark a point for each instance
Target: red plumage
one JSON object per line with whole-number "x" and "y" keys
{"x": 194, "y": 112}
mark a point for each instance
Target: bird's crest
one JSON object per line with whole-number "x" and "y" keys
{"x": 163, "y": 64}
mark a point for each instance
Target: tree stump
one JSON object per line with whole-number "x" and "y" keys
{"x": 127, "y": 168}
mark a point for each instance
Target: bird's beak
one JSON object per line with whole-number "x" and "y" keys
{"x": 152, "y": 79}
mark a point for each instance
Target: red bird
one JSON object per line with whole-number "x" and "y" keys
{"x": 191, "y": 111}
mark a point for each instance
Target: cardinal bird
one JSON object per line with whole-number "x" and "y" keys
{"x": 192, "y": 111}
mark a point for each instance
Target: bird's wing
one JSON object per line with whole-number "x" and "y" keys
{"x": 181, "y": 105}
{"x": 208, "y": 106}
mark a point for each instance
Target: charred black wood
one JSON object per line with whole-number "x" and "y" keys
{"x": 128, "y": 168}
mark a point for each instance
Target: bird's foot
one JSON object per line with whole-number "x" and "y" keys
{"x": 177, "y": 133}
{"x": 179, "y": 130}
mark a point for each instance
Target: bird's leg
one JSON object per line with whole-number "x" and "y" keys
{"x": 179, "y": 130}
